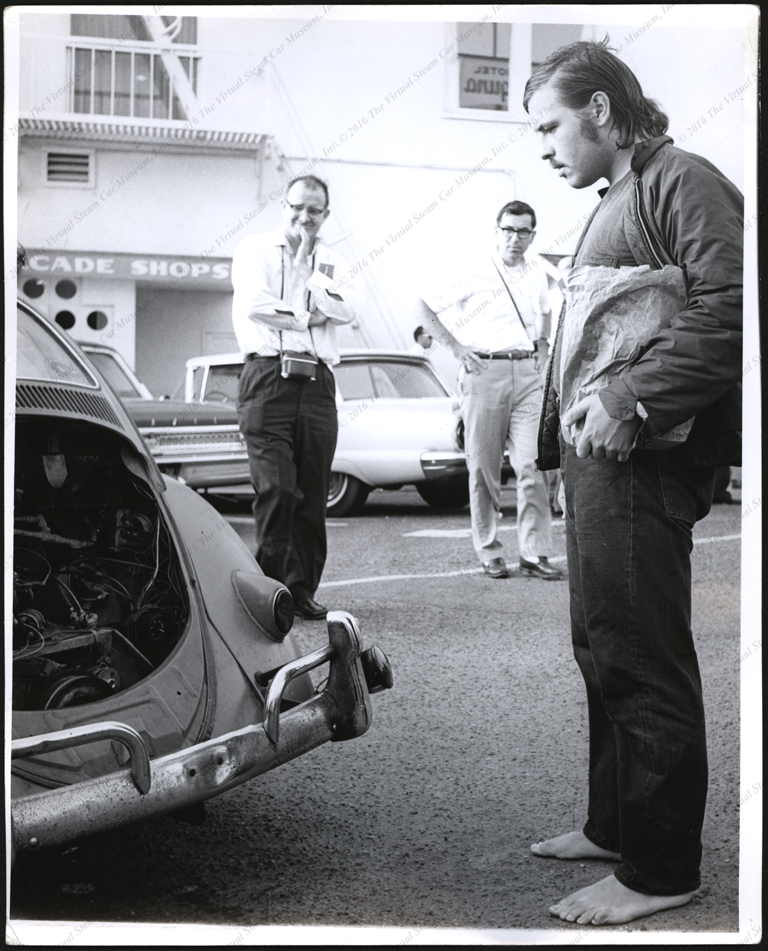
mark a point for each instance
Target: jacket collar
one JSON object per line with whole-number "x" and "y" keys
{"x": 645, "y": 150}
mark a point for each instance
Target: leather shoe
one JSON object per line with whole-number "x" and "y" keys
{"x": 496, "y": 568}
{"x": 310, "y": 610}
{"x": 540, "y": 569}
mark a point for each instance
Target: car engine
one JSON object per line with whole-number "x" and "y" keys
{"x": 99, "y": 598}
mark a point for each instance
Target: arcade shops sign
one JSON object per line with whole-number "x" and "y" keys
{"x": 154, "y": 268}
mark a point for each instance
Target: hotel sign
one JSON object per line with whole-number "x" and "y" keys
{"x": 483, "y": 82}
{"x": 153, "y": 268}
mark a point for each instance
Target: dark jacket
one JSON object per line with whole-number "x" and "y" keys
{"x": 692, "y": 216}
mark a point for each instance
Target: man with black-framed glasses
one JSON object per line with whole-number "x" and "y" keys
{"x": 290, "y": 294}
{"x": 496, "y": 318}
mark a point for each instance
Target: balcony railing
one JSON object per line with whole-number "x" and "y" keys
{"x": 129, "y": 81}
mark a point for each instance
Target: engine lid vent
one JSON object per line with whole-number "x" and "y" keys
{"x": 37, "y": 396}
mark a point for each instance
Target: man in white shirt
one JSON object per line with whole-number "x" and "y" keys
{"x": 288, "y": 297}
{"x": 424, "y": 342}
{"x": 496, "y": 319}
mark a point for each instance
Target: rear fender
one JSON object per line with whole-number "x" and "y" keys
{"x": 217, "y": 552}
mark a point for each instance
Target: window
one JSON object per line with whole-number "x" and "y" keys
{"x": 484, "y": 65}
{"x": 548, "y": 37}
{"x": 386, "y": 380}
{"x": 41, "y": 356}
{"x": 129, "y": 28}
{"x": 115, "y": 375}
{"x": 132, "y": 77}
{"x": 223, "y": 383}
{"x": 489, "y": 64}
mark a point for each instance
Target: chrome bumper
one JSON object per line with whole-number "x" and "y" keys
{"x": 443, "y": 465}
{"x": 341, "y": 712}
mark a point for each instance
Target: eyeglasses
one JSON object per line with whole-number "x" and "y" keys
{"x": 521, "y": 232}
{"x": 312, "y": 212}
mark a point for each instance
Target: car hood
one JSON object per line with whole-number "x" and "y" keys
{"x": 179, "y": 413}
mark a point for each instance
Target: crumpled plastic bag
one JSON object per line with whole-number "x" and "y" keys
{"x": 611, "y": 315}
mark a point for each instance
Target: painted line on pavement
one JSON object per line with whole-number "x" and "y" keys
{"x": 248, "y": 520}
{"x": 441, "y": 574}
{"x": 715, "y": 538}
{"x": 474, "y": 571}
{"x": 451, "y": 532}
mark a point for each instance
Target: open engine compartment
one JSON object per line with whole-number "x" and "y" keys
{"x": 99, "y": 598}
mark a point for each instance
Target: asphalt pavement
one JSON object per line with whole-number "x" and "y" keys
{"x": 479, "y": 750}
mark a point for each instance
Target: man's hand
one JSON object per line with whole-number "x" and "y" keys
{"x": 303, "y": 260}
{"x": 602, "y": 436}
{"x": 540, "y": 356}
{"x": 468, "y": 358}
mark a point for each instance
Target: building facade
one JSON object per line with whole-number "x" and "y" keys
{"x": 149, "y": 146}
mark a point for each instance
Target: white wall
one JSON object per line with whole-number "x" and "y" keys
{"x": 142, "y": 200}
{"x": 404, "y": 158}
{"x": 311, "y": 93}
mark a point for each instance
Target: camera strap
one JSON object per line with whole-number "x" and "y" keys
{"x": 308, "y": 304}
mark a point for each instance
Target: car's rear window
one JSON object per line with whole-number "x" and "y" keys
{"x": 114, "y": 374}
{"x": 382, "y": 379}
{"x": 40, "y": 356}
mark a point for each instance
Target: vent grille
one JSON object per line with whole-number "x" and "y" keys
{"x": 69, "y": 167}
{"x": 31, "y": 396}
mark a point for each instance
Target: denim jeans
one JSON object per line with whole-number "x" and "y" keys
{"x": 628, "y": 531}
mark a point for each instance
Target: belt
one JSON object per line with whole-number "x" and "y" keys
{"x": 506, "y": 355}
{"x": 249, "y": 357}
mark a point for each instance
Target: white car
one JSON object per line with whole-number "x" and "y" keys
{"x": 398, "y": 425}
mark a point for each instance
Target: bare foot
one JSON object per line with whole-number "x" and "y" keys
{"x": 572, "y": 845}
{"x": 608, "y": 902}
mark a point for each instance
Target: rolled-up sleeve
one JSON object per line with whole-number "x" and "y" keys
{"x": 341, "y": 304}
{"x": 256, "y": 281}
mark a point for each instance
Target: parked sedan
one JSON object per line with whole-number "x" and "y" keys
{"x": 153, "y": 662}
{"x": 197, "y": 442}
{"x": 398, "y": 425}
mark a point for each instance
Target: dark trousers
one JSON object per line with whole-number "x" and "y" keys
{"x": 290, "y": 427}
{"x": 628, "y": 531}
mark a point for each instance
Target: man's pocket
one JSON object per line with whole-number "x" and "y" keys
{"x": 687, "y": 490}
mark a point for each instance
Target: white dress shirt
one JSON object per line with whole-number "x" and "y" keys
{"x": 266, "y": 283}
{"x": 476, "y": 307}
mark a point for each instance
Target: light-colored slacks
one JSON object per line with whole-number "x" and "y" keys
{"x": 500, "y": 406}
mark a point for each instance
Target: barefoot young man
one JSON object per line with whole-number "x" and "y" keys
{"x": 631, "y": 507}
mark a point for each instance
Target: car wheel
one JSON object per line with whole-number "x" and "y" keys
{"x": 453, "y": 495}
{"x": 346, "y": 494}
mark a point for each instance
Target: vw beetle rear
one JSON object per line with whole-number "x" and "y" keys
{"x": 153, "y": 664}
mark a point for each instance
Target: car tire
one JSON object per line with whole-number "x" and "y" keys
{"x": 451, "y": 495}
{"x": 346, "y": 495}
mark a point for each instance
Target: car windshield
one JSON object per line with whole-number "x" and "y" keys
{"x": 114, "y": 374}
{"x": 382, "y": 379}
{"x": 222, "y": 382}
{"x": 40, "y": 356}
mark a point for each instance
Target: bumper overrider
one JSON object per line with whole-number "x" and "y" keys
{"x": 342, "y": 711}
{"x": 444, "y": 466}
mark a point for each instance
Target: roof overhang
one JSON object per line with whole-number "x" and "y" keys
{"x": 125, "y": 131}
